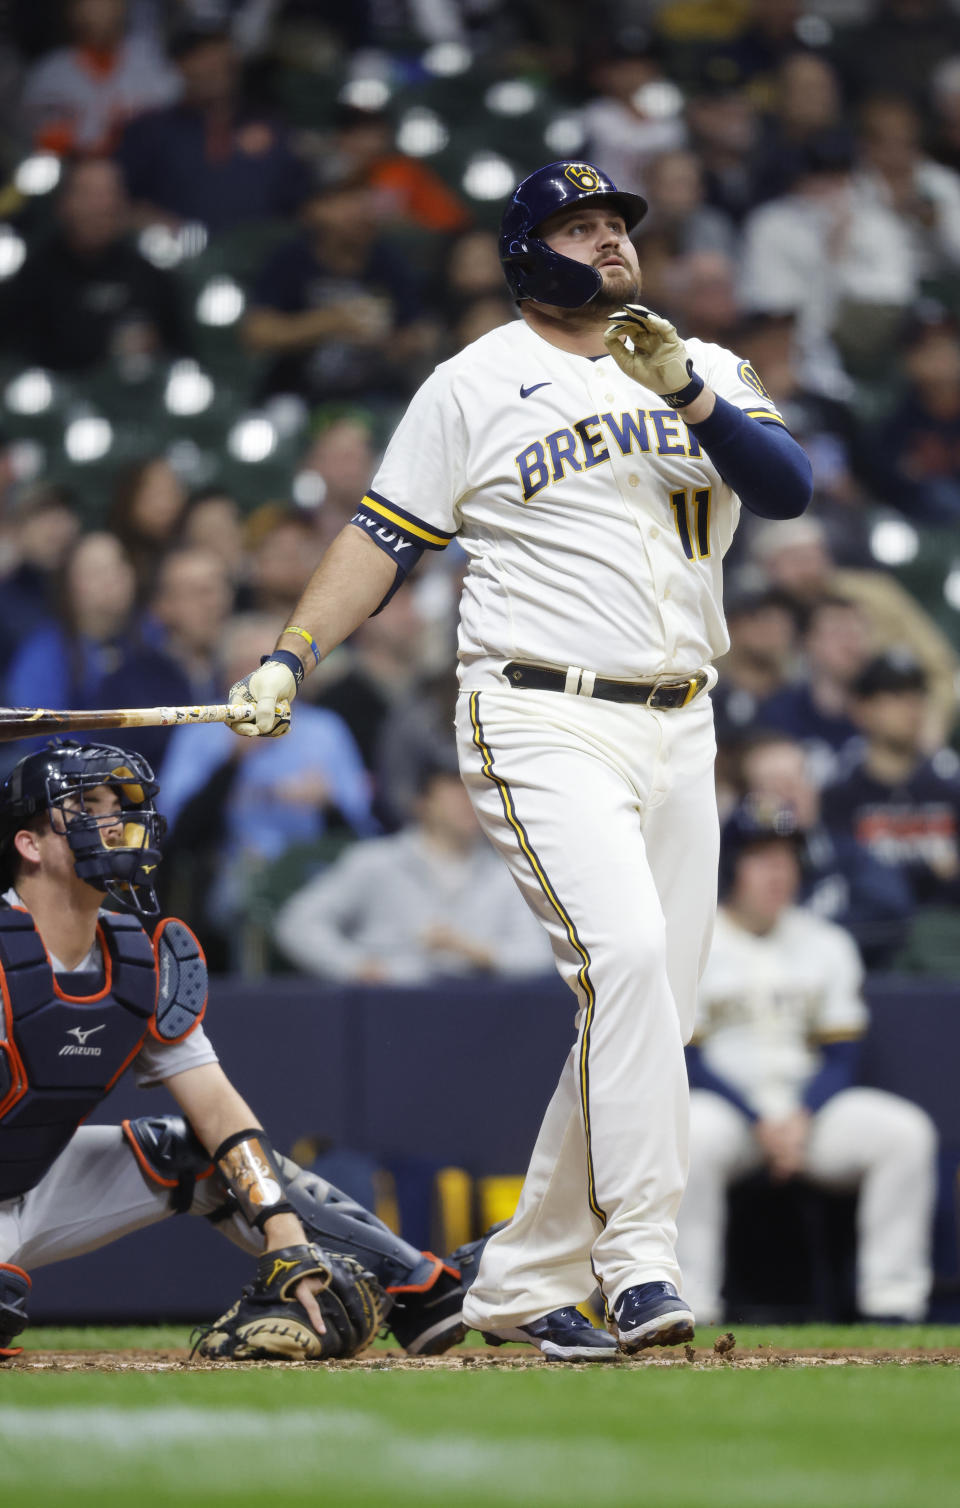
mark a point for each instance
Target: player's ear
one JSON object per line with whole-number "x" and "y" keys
{"x": 26, "y": 845}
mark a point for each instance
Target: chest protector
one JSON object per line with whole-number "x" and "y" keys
{"x": 63, "y": 1052}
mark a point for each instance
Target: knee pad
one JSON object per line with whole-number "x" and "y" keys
{"x": 14, "y": 1289}
{"x": 169, "y": 1155}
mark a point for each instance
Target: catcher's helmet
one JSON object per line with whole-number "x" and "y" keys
{"x": 531, "y": 268}
{"x": 754, "y": 822}
{"x": 55, "y": 779}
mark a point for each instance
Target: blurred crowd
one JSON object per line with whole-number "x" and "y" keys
{"x": 328, "y": 164}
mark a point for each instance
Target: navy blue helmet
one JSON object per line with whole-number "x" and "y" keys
{"x": 531, "y": 268}
{"x": 55, "y": 779}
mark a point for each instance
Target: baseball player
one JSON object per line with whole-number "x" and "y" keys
{"x": 87, "y": 991}
{"x": 773, "y": 1069}
{"x": 592, "y": 465}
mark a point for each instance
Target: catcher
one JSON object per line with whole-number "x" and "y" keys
{"x": 87, "y": 992}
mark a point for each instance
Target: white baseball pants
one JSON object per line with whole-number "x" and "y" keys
{"x": 93, "y": 1194}
{"x": 606, "y": 816}
{"x": 862, "y": 1138}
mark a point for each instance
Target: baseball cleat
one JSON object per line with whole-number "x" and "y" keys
{"x": 652, "y": 1314}
{"x": 562, "y": 1335}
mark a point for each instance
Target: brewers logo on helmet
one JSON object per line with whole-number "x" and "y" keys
{"x": 532, "y": 268}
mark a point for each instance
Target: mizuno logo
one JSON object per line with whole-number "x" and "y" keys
{"x": 526, "y": 391}
{"x": 81, "y": 1050}
{"x": 81, "y": 1034}
{"x": 279, "y": 1268}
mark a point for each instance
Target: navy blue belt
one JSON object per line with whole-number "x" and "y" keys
{"x": 661, "y": 695}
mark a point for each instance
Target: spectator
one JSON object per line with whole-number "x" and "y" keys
{"x": 145, "y": 514}
{"x": 912, "y": 457}
{"x": 431, "y": 902}
{"x": 210, "y": 157}
{"x": 471, "y": 270}
{"x": 479, "y": 317}
{"x": 341, "y": 461}
{"x": 902, "y": 805}
{"x": 284, "y": 551}
{"x": 92, "y": 654}
{"x": 678, "y": 212}
{"x": 191, "y": 603}
{"x": 415, "y": 726}
{"x": 373, "y": 672}
{"x": 806, "y": 102}
{"x": 406, "y": 188}
{"x": 902, "y": 40}
{"x": 924, "y": 194}
{"x": 945, "y": 135}
{"x": 762, "y": 625}
{"x": 337, "y": 309}
{"x": 797, "y": 561}
{"x": 235, "y": 805}
{"x": 825, "y": 428}
{"x": 78, "y": 98}
{"x": 629, "y": 123}
{"x": 724, "y": 130}
{"x": 212, "y": 521}
{"x": 703, "y": 296}
{"x": 85, "y": 295}
{"x": 827, "y": 251}
{"x": 773, "y": 1070}
{"x": 816, "y": 710}
{"x": 840, "y": 879}
{"x": 40, "y": 534}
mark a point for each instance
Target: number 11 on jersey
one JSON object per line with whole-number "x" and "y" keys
{"x": 699, "y": 534}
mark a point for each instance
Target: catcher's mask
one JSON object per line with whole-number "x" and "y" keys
{"x": 531, "y": 267}
{"x": 117, "y": 852}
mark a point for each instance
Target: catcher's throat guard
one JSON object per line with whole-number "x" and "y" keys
{"x": 116, "y": 852}
{"x": 531, "y": 267}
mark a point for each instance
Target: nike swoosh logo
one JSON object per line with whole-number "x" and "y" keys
{"x": 526, "y": 391}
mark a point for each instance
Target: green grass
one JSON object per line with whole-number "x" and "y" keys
{"x": 830, "y": 1437}
{"x": 805, "y": 1337}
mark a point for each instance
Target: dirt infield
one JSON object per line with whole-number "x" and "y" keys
{"x": 471, "y": 1358}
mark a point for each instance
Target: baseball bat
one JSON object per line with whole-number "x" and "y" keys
{"x": 26, "y": 722}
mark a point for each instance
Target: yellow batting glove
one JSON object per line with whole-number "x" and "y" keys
{"x": 656, "y": 356}
{"x": 270, "y": 690}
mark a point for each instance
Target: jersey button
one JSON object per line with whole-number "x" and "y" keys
{"x": 608, "y": 398}
{"x": 633, "y": 479}
{"x": 666, "y": 593}
{"x": 654, "y": 532}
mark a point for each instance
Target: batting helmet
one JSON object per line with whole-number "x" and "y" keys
{"x": 56, "y": 779}
{"x": 531, "y": 268}
{"x": 754, "y": 822}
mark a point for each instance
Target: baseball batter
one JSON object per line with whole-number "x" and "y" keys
{"x": 87, "y": 991}
{"x": 592, "y": 466}
{"x": 773, "y": 1068}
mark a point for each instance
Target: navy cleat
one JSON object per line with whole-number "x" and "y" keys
{"x": 652, "y": 1314}
{"x": 562, "y": 1335}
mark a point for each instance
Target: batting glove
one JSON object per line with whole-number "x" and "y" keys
{"x": 270, "y": 690}
{"x": 656, "y": 357}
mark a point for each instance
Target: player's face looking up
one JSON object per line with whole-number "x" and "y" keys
{"x": 596, "y": 235}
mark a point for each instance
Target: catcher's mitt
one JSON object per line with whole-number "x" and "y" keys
{"x": 268, "y": 1324}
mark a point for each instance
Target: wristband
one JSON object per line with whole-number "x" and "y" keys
{"x": 293, "y": 663}
{"x": 248, "y": 1165}
{"x": 304, "y": 633}
{"x": 685, "y": 395}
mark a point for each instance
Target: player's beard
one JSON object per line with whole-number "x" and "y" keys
{"x": 614, "y": 294}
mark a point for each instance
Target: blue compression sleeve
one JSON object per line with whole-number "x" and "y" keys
{"x": 702, "y": 1077}
{"x": 837, "y": 1071}
{"x": 762, "y": 463}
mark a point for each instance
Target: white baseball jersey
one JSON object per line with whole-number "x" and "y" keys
{"x": 767, "y": 1003}
{"x": 594, "y": 523}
